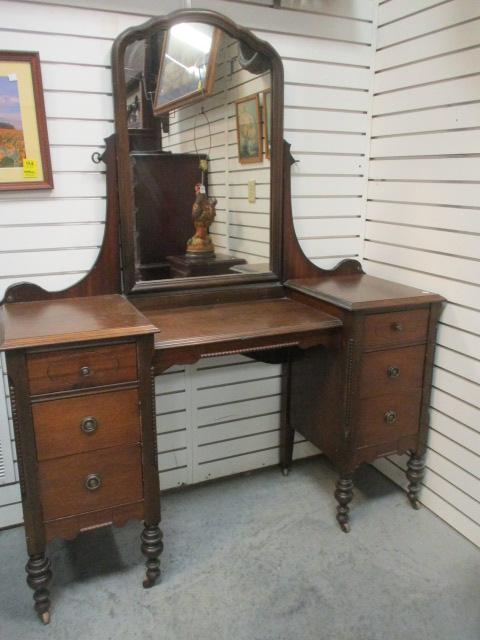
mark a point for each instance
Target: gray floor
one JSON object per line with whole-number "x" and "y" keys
{"x": 259, "y": 557}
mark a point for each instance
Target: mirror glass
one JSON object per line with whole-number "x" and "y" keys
{"x": 198, "y": 106}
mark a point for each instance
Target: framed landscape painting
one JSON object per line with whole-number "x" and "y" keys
{"x": 24, "y": 152}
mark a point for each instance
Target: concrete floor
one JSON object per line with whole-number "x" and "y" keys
{"x": 260, "y": 557}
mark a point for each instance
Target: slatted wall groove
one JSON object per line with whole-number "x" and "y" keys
{"x": 423, "y": 221}
{"x": 327, "y": 58}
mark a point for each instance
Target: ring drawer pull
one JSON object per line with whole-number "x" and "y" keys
{"x": 393, "y": 372}
{"x": 89, "y": 424}
{"x": 93, "y": 482}
{"x": 397, "y": 326}
{"x": 85, "y": 371}
{"x": 390, "y": 417}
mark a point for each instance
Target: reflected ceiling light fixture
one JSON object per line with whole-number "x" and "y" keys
{"x": 193, "y": 71}
{"x": 192, "y": 36}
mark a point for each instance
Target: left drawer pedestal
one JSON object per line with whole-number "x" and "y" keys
{"x": 86, "y": 443}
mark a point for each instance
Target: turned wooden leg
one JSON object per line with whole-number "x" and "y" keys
{"x": 415, "y": 473}
{"x": 38, "y": 577}
{"x": 152, "y": 547}
{"x": 344, "y": 494}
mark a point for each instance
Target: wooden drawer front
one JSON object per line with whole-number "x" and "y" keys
{"x": 386, "y": 418}
{"x": 81, "y": 368}
{"x": 85, "y": 423}
{"x": 394, "y": 370}
{"x": 63, "y": 481}
{"x": 399, "y": 327}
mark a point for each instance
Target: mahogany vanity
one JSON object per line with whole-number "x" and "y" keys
{"x": 356, "y": 351}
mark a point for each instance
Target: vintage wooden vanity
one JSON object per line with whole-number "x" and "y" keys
{"x": 356, "y": 351}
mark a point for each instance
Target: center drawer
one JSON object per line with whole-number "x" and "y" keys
{"x": 85, "y": 423}
{"x": 90, "y": 481}
{"x": 393, "y": 370}
{"x": 68, "y": 369}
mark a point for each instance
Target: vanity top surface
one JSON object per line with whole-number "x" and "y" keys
{"x": 193, "y": 325}
{"x": 51, "y": 322}
{"x": 362, "y": 292}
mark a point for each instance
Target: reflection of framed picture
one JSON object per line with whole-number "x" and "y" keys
{"x": 249, "y": 129}
{"x": 135, "y": 104}
{"x": 187, "y": 65}
{"x": 267, "y": 120}
{"x": 24, "y": 152}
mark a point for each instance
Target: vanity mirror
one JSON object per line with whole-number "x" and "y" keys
{"x": 195, "y": 168}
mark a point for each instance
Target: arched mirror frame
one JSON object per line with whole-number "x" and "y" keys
{"x": 125, "y": 187}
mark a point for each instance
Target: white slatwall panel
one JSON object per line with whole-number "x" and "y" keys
{"x": 423, "y": 221}
{"x": 327, "y": 57}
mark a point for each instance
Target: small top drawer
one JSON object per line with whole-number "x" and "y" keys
{"x": 398, "y": 327}
{"x": 81, "y": 368}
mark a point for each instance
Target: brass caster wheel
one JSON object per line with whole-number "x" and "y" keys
{"x": 45, "y": 617}
{"x": 345, "y": 527}
{"x": 285, "y": 471}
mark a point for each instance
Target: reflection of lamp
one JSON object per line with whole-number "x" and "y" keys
{"x": 192, "y": 36}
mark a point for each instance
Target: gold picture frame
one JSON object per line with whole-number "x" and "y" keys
{"x": 176, "y": 84}
{"x": 267, "y": 121}
{"x": 24, "y": 151}
{"x": 249, "y": 129}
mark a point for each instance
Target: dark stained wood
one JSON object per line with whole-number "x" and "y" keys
{"x": 388, "y": 417}
{"x": 104, "y": 277}
{"x": 362, "y": 292}
{"x": 63, "y": 481}
{"x": 344, "y": 495}
{"x": 237, "y": 321}
{"x": 164, "y": 191}
{"x": 184, "y": 267}
{"x": 399, "y": 327}
{"x": 69, "y": 528}
{"x": 86, "y": 423}
{"x": 391, "y": 371}
{"x": 53, "y": 322}
{"x": 39, "y": 575}
{"x": 83, "y": 368}
{"x": 26, "y": 453}
{"x": 415, "y": 473}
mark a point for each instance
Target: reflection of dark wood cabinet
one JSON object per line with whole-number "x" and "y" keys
{"x": 164, "y": 191}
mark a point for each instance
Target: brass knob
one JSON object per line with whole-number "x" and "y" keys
{"x": 393, "y": 372}
{"x": 390, "y": 416}
{"x": 93, "y": 482}
{"x": 397, "y": 326}
{"x": 85, "y": 371}
{"x": 89, "y": 424}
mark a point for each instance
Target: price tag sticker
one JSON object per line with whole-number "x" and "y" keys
{"x": 30, "y": 168}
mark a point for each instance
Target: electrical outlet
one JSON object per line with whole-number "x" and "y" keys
{"x": 252, "y": 191}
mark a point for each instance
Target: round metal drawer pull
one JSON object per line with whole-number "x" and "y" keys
{"x": 390, "y": 416}
{"x": 397, "y": 326}
{"x": 393, "y": 372}
{"x": 89, "y": 424}
{"x": 93, "y": 482}
{"x": 85, "y": 371}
